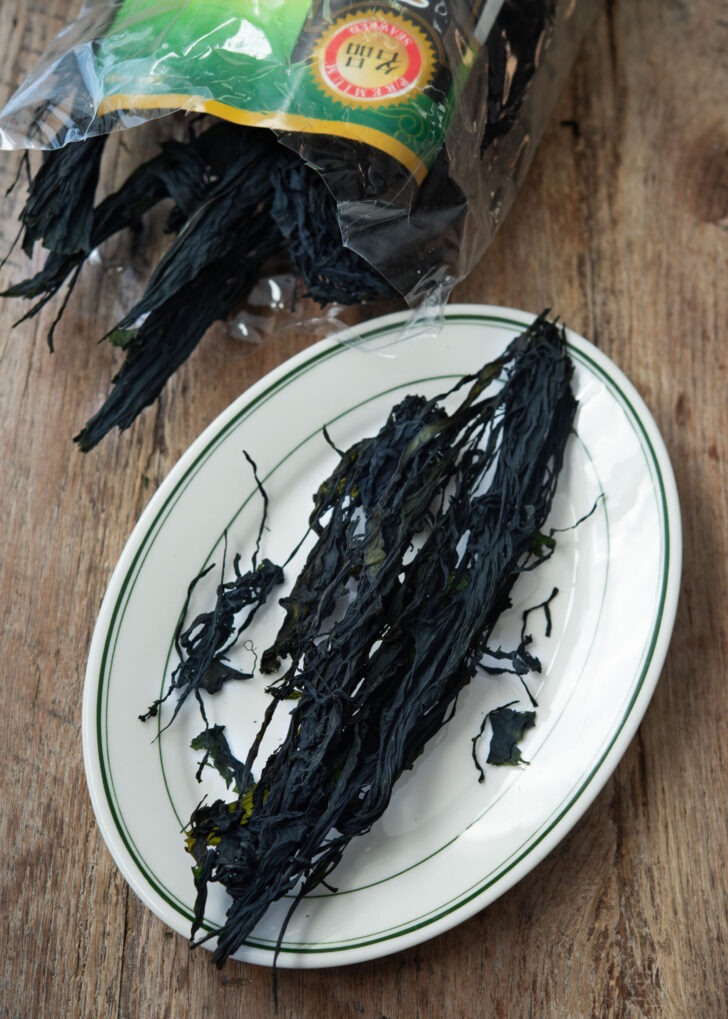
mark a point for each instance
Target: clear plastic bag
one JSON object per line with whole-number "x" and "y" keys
{"x": 421, "y": 115}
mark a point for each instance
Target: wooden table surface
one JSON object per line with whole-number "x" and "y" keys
{"x": 621, "y": 228}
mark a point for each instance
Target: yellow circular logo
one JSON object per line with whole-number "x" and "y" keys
{"x": 372, "y": 57}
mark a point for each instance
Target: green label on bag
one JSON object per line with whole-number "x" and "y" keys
{"x": 378, "y": 73}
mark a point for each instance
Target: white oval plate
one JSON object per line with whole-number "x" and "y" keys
{"x": 448, "y": 845}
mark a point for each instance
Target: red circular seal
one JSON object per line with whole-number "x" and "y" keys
{"x": 371, "y": 58}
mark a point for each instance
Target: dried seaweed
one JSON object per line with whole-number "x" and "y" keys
{"x": 177, "y": 173}
{"x": 240, "y": 198}
{"x": 203, "y": 644}
{"x": 218, "y": 755}
{"x": 509, "y": 727}
{"x": 305, "y": 213}
{"x": 431, "y": 575}
{"x": 216, "y": 173}
{"x": 209, "y": 268}
{"x": 515, "y": 45}
{"x": 59, "y": 208}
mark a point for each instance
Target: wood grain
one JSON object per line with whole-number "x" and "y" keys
{"x": 622, "y": 229}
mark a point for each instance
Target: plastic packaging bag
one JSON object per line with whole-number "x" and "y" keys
{"x": 421, "y": 115}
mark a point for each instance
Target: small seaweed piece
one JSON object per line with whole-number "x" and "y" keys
{"x": 377, "y": 679}
{"x": 522, "y": 661}
{"x": 218, "y": 755}
{"x": 203, "y": 645}
{"x": 509, "y": 727}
